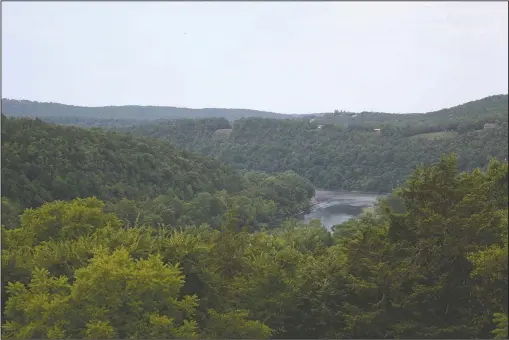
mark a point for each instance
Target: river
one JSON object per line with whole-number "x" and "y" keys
{"x": 335, "y": 207}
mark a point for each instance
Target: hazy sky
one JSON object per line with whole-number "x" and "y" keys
{"x": 280, "y": 56}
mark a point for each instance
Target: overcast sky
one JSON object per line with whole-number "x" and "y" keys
{"x": 279, "y": 56}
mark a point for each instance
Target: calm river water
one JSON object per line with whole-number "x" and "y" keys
{"x": 335, "y": 207}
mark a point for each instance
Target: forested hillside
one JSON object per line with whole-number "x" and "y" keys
{"x": 352, "y": 158}
{"x": 462, "y": 118}
{"x": 142, "y": 180}
{"x": 108, "y": 235}
{"x": 93, "y": 122}
{"x": 435, "y": 268}
{"x": 55, "y": 111}
{"x": 465, "y": 117}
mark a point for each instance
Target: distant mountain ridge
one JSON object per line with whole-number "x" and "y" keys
{"x": 128, "y": 115}
{"x": 486, "y": 109}
{"x": 27, "y": 108}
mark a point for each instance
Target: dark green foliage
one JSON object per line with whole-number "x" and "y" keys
{"x": 91, "y": 122}
{"x": 345, "y": 153}
{"x": 10, "y": 213}
{"x": 188, "y": 134}
{"x": 43, "y": 162}
{"x": 143, "y": 181}
{"x": 351, "y": 156}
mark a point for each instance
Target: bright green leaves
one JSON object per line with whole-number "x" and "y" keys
{"x": 99, "y": 330}
{"x": 39, "y": 311}
{"x": 234, "y": 325}
{"x": 127, "y": 292}
{"x": 501, "y": 322}
{"x": 114, "y": 296}
{"x": 430, "y": 263}
{"x": 64, "y": 220}
{"x": 118, "y": 282}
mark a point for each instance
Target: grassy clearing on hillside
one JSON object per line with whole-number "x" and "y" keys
{"x": 437, "y": 135}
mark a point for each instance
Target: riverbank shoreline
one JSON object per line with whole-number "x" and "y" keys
{"x": 353, "y": 192}
{"x": 336, "y": 207}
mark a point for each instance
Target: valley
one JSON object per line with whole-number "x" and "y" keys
{"x": 254, "y": 170}
{"x": 344, "y": 154}
{"x": 220, "y": 220}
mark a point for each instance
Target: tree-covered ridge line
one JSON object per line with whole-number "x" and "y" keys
{"x": 353, "y": 158}
{"x": 465, "y": 117}
{"x": 429, "y": 262}
{"x": 473, "y": 113}
{"x": 27, "y": 108}
{"x": 92, "y": 122}
{"x": 142, "y": 180}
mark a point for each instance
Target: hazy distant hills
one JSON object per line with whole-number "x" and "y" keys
{"x": 485, "y": 109}
{"x": 479, "y": 112}
{"x": 27, "y": 108}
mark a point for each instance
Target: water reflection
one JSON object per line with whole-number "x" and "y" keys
{"x": 335, "y": 207}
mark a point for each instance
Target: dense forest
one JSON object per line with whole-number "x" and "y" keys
{"x": 92, "y": 122}
{"x": 185, "y": 228}
{"x": 434, "y": 265}
{"x": 353, "y": 157}
{"x": 143, "y": 181}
